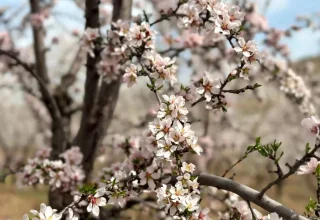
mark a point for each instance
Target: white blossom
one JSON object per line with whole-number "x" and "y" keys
{"x": 96, "y": 201}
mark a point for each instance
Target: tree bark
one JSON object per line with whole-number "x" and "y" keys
{"x": 248, "y": 194}
{"x": 98, "y": 105}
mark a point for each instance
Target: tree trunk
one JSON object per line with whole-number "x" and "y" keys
{"x": 99, "y": 103}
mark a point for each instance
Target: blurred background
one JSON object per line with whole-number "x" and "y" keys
{"x": 25, "y": 125}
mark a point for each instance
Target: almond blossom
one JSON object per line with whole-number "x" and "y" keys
{"x": 311, "y": 124}
{"x": 130, "y": 76}
{"x": 224, "y": 25}
{"x": 189, "y": 203}
{"x": 96, "y": 200}
{"x": 187, "y": 167}
{"x": 46, "y": 213}
{"x": 89, "y": 36}
{"x": 309, "y": 167}
{"x": 246, "y": 47}
{"x": 208, "y": 86}
{"x": 148, "y": 177}
{"x": 162, "y": 68}
{"x": 165, "y": 148}
{"x": 192, "y": 16}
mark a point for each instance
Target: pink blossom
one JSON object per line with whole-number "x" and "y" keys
{"x": 311, "y": 124}
{"x": 130, "y": 77}
{"x": 309, "y": 167}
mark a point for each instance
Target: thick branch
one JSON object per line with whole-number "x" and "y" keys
{"x": 38, "y": 45}
{"x": 98, "y": 104}
{"x": 251, "y": 195}
{"x": 46, "y": 95}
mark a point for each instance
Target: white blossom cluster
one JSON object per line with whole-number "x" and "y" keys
{"x": 294, "y": 86}
{"x": 250, "y": 54}
{"x": 174, "y": 136}
{"x": 149, "y": 160}
{"x": 223, "y": 18}
{"x": 64, "y": 174}
{"x": 125, "y": 44}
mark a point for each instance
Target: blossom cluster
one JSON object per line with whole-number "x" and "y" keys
{"x": 125, "y": 43}
{"x": 291, "y": 83}
{"x": 294, "y": 86}
{"x": 224, "y": 18}
{"x": 174, "y": 137}
{"x": 149, "y": 160}
{"x": 64, "y": 174}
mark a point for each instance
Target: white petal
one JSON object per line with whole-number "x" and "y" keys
{"x": 95, "y": 210}
{"x": 48, "y": 212}
{"x": 34, "y": 212}
{"x": 89, "y": 207}
{"x": 100, "y": 192}
{"x": 200, "y": 90}
{"x": 56, "y": 216}
{"x": 151, "y": 184}
{"x": 101, "y": 201}
{"x": 43, "y": 207}
{"x": 238, "y": 49}
{"x": 308, "y": 123}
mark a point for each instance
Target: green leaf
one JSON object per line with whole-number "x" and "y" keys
{"x": 307, "y": 149}
{"x": 88, "y": 189}
{"x": 258, "y": 139}
{"x": 318, "y": 171}
{"x": 263, "y": 151}
{"x": 311, "y": 206}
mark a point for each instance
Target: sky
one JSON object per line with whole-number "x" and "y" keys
{"x": 281, "y": 14}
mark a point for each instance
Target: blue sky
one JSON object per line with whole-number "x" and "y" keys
{"x": 281, "y": 14}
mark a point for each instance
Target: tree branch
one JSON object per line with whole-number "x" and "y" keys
{"x": 292, "y": 169}
{"x": 249, "y": 194}
{"x": 47, "y": 97}
{"x": 38, "y": 45}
